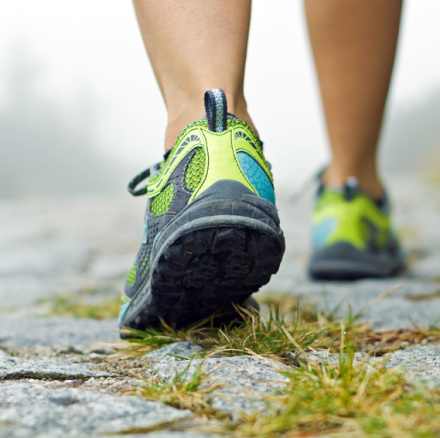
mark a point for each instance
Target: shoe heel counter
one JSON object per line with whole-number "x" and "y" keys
{"x": 232, "y": 151}
{"x": 221, "y": 162}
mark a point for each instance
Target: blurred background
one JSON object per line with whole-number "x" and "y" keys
{"x": 80, "y": 110}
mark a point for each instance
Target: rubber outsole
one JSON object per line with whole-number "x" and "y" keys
{"x": 343, "y": 262}
{"x": 205, "y": 271}
{"x": 215, "y": 254}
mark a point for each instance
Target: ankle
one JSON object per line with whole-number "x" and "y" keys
{"x": 239, "y": 109}
{"x": 369, "y": 181}
{"x": 176, "y": 126}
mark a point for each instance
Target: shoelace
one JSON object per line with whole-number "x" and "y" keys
{"x": 136, "y": 180}
{"x": 150, "y": 171}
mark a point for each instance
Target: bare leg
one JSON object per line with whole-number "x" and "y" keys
{"x": 354, "y": 44}
{"x": 195, "y": 46}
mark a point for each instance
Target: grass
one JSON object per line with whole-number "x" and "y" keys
{"x": 286, "y": 326}
{"x": 344, "y": 400}
{"x": 184, "y": 391}
{"x": 347, "y": 399}
{"x": 86, "y": 303}
{"x": 423, "y": 297}
{"x": 272, "y": 336}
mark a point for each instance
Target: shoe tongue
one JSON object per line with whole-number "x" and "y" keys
{"x": 216, "y": 109}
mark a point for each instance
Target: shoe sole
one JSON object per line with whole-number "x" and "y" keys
{"x": 203, "y": 263}
{"x": 342, "y": 261}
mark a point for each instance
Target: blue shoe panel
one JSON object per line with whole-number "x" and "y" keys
{"x": 122, "y": 311}
{"x": 256, "y": 176}
{"x": 322, "y": 231}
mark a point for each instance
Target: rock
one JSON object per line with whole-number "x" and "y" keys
{"x": 50, "y": 257}
{"x": 166, "y": 434}
{"x": 428, "y": 267}
{"x": 75, "y": 332}
{"x": 245, "y": 378}
{"x": 30, "y": 410}
{"x": 18, "y": 368}
{"x": 422, "y": 364}
{"x": 12, "y": 287}
{"x": 320, "y": 357}
{"x": 168, "y": 353}
{"x": 390, "y": 312}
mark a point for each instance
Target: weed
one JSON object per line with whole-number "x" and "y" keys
{"x": 344, "y": 400}
{"x": 184, "y": 391}
{"x": 423, "y": 297}
{"x": 273, "y": 335}
{"x": 278, "y": 333}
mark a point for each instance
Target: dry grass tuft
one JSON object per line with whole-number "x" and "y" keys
{"x": 345, "y": 400}
{"x": 87, "y": 303}
{"x": 183, "y": 391}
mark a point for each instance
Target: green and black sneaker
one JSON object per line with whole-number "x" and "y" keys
{"x": 352, "y": 235}
{"x": 212, "y": 234}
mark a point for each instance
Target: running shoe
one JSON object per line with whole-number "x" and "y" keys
{"x": 352, "y": 236}
{"x": 212, "y": 234}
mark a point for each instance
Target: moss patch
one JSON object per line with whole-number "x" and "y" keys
{"x": 86, "y": 303}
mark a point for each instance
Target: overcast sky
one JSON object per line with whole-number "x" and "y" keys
{"x": 89, "y": 54}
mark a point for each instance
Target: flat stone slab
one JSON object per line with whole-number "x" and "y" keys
{"x": 30, "y": 410}
{"x": 177, "y": 435}
{"x": 404, "y": 305}
{"x": 320, "y": 357}
{"x": 19, "y": 291}
{"x": 79, "y": 333}
{"x": 169, "y": 434}
{"x": 176, "y": 351}
{"x": 19, "y": 368}
{"x": 244, "y": 379}
{"x": 421, "y": 362}
{"x": 428, "y": 267}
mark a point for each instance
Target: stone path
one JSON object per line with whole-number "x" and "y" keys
{"x": 55, "y": 376}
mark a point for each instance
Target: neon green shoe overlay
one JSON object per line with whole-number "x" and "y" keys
{"x": 221, "y": 151}
{"x": 358, "y": 221}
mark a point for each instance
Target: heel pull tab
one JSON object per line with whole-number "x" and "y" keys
{"x": 216, "y": 109}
